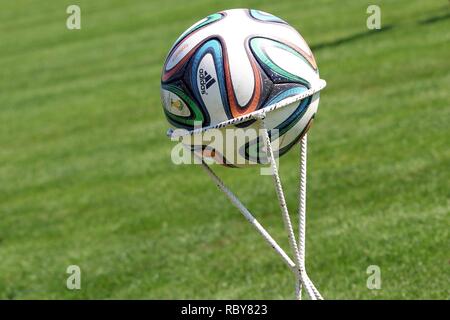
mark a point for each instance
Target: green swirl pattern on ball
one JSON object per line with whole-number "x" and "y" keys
{"x": 257, "y": 45}
{"x": 209, "y": 19}
{"x": 195, "y": 110}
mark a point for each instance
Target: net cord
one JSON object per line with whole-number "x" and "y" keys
{"x": 297, "y": 267}
{"x": 298, "y": 248}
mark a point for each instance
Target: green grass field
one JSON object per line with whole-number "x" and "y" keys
{"x": 86, "y": 176}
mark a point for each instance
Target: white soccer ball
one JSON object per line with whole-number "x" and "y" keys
{"x": 234, "y": 63}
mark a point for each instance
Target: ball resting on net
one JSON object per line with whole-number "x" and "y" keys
{"x": 297, "y": 266}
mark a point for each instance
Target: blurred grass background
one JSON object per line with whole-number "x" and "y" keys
{"x": 86, "y": 176}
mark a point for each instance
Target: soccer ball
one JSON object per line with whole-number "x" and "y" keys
{"x": 234, "y": 63}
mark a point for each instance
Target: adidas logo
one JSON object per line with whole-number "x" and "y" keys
{"x": 206, "y": 81}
